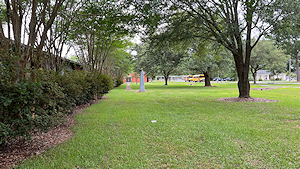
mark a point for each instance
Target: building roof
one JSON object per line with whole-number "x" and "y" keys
{"x": 263, "y": 72}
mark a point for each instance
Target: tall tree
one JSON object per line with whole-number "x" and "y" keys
{"x": 228, "y": 22}
{"x": 267, "y": 56}
{"x": 286, "y": 33}
{"x": 29, "y": 23}
{"x": 209, "y": 57}
{"x": 59, "y": 34}
{"x": 98, "y": 32}
{"x": 161, "y": 60}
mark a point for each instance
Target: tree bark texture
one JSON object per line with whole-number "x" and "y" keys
{"x": 207, "y": 78}
{"x": 166, "y": 80}
{"x": 37, "y": 31}
{"x": 254, "y": 77}
{"x": 243, "y": 73}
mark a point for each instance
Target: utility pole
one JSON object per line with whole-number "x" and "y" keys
{"x": 289, "y": 69}
{"x": 274, "y": 76}
{"x": 218, "y": 77}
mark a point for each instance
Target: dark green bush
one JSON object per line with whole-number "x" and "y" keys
{"x": 260, "y": 79}
{"x": 80, "y": 88}
{"x": 28, "y": 106}
{"x": 118, "y": 82}
{"x": 102, "y": 84}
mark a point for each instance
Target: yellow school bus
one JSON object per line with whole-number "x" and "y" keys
{"x": 194, "y": 78}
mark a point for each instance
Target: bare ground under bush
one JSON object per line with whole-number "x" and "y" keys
{"x": 16, "y": 151}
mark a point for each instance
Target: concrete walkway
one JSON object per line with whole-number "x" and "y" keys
{"x": 128, "y": 88}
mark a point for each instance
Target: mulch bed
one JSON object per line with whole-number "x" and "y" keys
{"x": 251, "y": 99}
{"x": 17, "y": 151}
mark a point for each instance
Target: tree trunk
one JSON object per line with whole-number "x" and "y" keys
{"x": 254, "y": 77}
{"x": 243, "y": 85}
{"x": 166, "y": 80}
{"x": 207, "y": 78}
{"x": 297, "y": 68}
{"x": 243, "y": 73}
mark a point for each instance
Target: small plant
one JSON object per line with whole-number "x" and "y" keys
{"x": 260, "y": 79}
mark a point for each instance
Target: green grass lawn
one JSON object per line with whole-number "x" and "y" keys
{"x": 193, "y": 130}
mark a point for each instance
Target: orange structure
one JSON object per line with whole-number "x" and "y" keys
{"x": 134, "y": 77}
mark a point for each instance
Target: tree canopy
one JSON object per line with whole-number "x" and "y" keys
{"x": 158, "y": 60}
{"x": 228, "y": 22}
{"x": 38, "y": 32}
{"x": 286, "y": 33}
{"x": 267, "y": 56}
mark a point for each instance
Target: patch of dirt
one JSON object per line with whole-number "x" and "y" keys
{"x": 16, "y": 150}
{"x": 251, "y": 99}
{"x": 293, "y": 120}
{"x": 190, "y": 84}
{"x": 167, "y": 93}
{"x": 262, "y": 88}
{"x": 297, "y": 126}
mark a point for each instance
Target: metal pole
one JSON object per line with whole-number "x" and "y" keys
{"x": 274, "y": 76}
{"x": 289, "y": 69}
{"x": 218, "y": 77}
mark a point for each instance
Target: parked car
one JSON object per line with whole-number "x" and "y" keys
{"x": 217, "y": 78}
{"x": 227, "y": 79}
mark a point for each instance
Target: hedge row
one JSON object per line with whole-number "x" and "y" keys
{"x": 27, "y": 107}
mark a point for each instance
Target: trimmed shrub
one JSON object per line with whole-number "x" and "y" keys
{"x": 103, "y": 84}
{"x": 118, "y": 82}
{"x": 260, "y": 79}
{"x": 28, "y": 107}
{"x": 33, "y": 106}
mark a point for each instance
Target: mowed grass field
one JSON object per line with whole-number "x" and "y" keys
{"x": 193, "y": 130}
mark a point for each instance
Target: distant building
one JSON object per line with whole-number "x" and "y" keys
{"x": 134, "y": 77}
{"x": 267, "y": 75}
{"x": 73, "y": 65}
{"x": 66, "y": 64}
{"x": 50, "y": 62}
{"x": 179, "y": 78}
